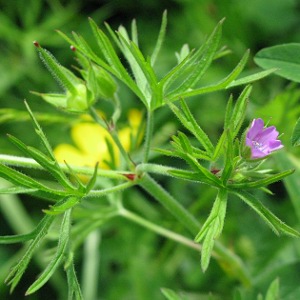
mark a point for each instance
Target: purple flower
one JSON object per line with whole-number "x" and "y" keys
{"x": 262, "y": 141}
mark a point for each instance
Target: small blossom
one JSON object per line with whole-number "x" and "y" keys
{"x": 262, "y": 140}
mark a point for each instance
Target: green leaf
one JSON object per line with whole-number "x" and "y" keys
{"x": 262, "y": 182}
{"x": 17, "y": 272}
{"x": 143, "y": 72}
{"x": 212, "y": 227}
{"x": 20, "y": 238}
{"x": 222, "y": 84}
{"x": 44, "y": 161}
{"x": 219, "y": 147}
{"x": 21, "y": 179}
{"x": 250, "y": 78}
{"x": 274, "y": 223}
{"x": 296, "y": 134}
{"x": 170, "y": 295}
{"x": 273, "y": 291}
{"x": 228, "y": 112}
{"x": 17, "y": 190}
{"x": 192, "y": 161}
{"x": 188, "y": 121}
{"x": 59, "y": 255}
{"x": 195, "y": 67}
{"x": 134, "y": 32}
{"x": 239, "y": 111}
{"x": 80, "y": 44}
{"x": 113, "y": 60}
{"x": 285, "y": 58}
{"x": 193, "y": 176}
{"x": 39, "y": 131}
{"x": 63, "y": 205}
{"x": 160, "y": 39}
{"x": 196, "y": 129}
{"x": 73, "y": 284}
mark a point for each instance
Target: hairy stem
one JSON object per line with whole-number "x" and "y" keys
{"x": 159, "y": 230}
{"x": 148, "y": 136}
{"x": 18, "y": 161}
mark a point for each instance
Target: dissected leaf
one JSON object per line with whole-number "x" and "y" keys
{"x": 59, "y": 255}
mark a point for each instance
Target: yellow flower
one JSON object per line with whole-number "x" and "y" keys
{"x": 90, "y": 141}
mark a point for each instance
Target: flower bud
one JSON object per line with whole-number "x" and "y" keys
{"x": 101, "y": 82}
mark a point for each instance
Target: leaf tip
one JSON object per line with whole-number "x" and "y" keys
{"x": 36, "y": 44}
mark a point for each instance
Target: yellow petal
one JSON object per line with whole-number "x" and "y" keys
{"x": 90, "y": 138}
{"x": 135, "y": 118}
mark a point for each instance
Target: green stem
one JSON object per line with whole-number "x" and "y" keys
{"x": 90, "y": 269}
{"x": 228, "y": 259}
{"x": 148, "y": 136}
{"x": 104, "y": 192}
{"x": 159, "y": 230}
{"x": 161, "y": 195}
{"x": 18, "y": 161}
{"x": 154, "y": 168}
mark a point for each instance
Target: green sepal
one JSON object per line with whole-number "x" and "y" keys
{"x": 270, "y": 219}
{"x": 64, "y": 235}
{"x": 66, "y": 78}
{"x": 100, "y": 82}
{"x": 57, "y": 100}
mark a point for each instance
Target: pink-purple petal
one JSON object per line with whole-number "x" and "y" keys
{"x": 261, "y": 140}
{"x": 256, "y": 127}
{"x": 270, "y": 133}
{"x": 275, "y": 145}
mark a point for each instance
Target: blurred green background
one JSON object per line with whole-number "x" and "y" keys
{"x": 136, "y": 263}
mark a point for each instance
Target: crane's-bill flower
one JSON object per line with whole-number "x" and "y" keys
{"x": 262, "y": 140}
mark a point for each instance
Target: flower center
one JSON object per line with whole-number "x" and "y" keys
{"x": 257, "y": 145}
